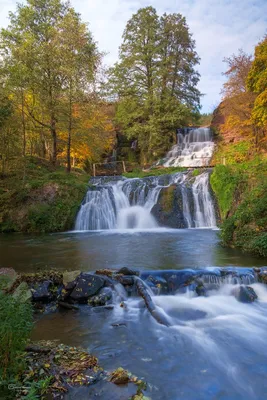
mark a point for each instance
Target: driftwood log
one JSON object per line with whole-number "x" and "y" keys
{"x": 152, "y": 308}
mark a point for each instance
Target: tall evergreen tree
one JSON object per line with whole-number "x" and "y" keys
{"x": 155, "y": 79}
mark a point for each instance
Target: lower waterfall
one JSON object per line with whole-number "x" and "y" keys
{"x": 120, "y": 203}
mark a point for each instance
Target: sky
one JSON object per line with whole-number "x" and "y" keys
{"x": 219, "y": 27}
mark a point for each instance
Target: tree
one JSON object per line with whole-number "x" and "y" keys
{"x": 238, "y": 101}
{"x": 257, "y": 83}
{"x": 80, "y": 60}
{"x": 155, "y": 80}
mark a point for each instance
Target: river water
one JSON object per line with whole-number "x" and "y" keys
{"x": 215, "y": 347}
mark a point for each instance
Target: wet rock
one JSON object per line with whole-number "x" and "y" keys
{"x": 70, "y": 279}
{"x": 125, "y": 280}
{"x": 87, "y": 285}
{"x": 22, "y": 292}
{"x": 128, "y": 271}
{"x": 102, "y": 298}
{"x": 41, "y": 291}
{"x": 178, "y": 279}
{"x": 201, "y": 289}
{"x": 169, "y": 210}
{"x": 245, "y": 294}
{"x": 159, "y": 282}
{"x": 120, "y": 376}
{"x": 262, "y": 277}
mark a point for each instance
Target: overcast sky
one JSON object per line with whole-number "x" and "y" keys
{"x": 219, "y": 27}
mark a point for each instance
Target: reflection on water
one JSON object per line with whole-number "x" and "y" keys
{"x": 157, "y": 249}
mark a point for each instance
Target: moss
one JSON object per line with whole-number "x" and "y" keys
{"x": 167, "y": 198}
{"x": 241, "y": 191}
{"x": 38, "y": 198}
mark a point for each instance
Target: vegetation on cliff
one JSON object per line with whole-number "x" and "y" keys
{"x": 36, "y": 197}
{"x": 241, "y": 191}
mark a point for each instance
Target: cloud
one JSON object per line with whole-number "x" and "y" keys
{"x": 219, "y": 27}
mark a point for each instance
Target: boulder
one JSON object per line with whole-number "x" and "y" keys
{"x": 7, "y": 278}
{"x": 22, "y": 292}
{"x": 157, "y": 282}
{"x": 102, "y": 298}
{"x": 128, "y": 271}
{"x": 41, "y": 291}
{"x": 69, "y": 279}
{"x": 245, "y": 294}
{"x": 87, "y": 285}
{"x": 169, "y": 208}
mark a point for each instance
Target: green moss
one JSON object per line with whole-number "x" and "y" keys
{"x": 38, "y": 198}
{"x": 167, "y": 198}
{"x": 241, "y": 191}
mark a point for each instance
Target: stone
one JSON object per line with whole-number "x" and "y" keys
{"x": 102, "y": 298}
{"x": 200, "y": 288}
{"x": 120, "y": 377}
{"x": 69, "y": 279}
{"x": 159, "y": 282}
{"x": 41, "y": 292}
{"x": 22, "y": 292}
{"x": 125, "y": 280}
{"x": 87, "y": 285}
{"x": 128, "y": 271}
{"x": 7, "y": 278}
{"x": 245, "y": 294}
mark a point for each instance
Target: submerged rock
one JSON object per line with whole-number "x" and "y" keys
{"x": 245, "y": 294}
{"x": 120, "y": 376}
{"x": 87, "y": 285}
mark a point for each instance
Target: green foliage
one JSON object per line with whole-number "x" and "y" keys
{"x": 155, "y": 80}
{"x": 241, "y": 191}
{"x": 15, "y": 328}
{"x": 40, "y": 200}
{"x": 138, "y": 173}
{"x": 224, "y": 184}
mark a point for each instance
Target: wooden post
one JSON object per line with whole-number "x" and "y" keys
{"x": 224, "y": 161}
{"x": 124, "y": 168}
{"x": 94, "y": 170}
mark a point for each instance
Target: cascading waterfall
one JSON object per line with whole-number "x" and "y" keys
{"x": 193, "y": 149}
{"x": 128, "y": 203}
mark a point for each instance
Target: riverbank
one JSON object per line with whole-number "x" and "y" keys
{"x": 35, "y": 197}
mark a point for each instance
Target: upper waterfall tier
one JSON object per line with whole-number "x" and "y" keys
{"x": 193, "y": 149}
{"x": 177, "y": 201}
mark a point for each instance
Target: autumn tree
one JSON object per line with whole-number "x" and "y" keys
{"x": 155, "y": 79}
{"x": 257, "y": 83}
{"x": 238, "y": 101}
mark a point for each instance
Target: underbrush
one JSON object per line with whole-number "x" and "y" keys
{"x": 35, "y": 197}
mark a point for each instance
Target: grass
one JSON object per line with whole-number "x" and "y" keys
{"x": 35, "y": 197}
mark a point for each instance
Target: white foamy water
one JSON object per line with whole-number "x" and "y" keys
{"x": 127, "y": 203}
{"x": 193, "y": 149}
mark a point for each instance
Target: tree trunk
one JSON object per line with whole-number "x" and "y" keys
{"x": 54, "y": 140}
{"x": 23, "y": 124}
{"x": 69, "y": 131}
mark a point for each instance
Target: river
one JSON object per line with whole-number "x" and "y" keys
{"x": 216, "y": 346}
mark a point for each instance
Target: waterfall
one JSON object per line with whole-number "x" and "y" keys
{"x": 128, "y": 203}
{"x": 193, "y": 149}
